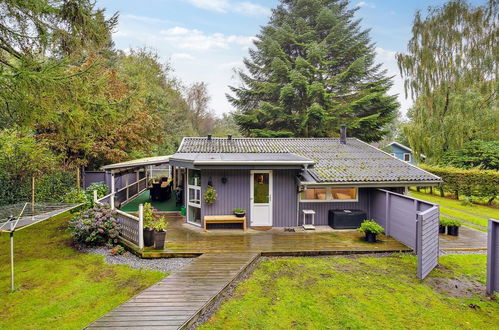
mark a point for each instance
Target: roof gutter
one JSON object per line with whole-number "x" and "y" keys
{"x": 374, "y": 184}
{"x": 250, "y": 162}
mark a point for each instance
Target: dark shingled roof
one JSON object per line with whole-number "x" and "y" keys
{"x": 353, "y": 162}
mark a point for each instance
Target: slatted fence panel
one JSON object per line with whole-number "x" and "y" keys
{"x": 493, "y": 257}
{"x": 129, "y": 227}
{"x": 427, "y": 240}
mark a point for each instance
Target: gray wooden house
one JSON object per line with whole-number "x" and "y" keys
{"x": 280, "y": 182}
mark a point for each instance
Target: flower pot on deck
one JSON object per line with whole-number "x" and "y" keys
{"x": 148, "y": 237}
{"x": 453, "y": 230}
{"x": 370, "y": 237}
{"x": 441, "y": 229}
{"x": 239, "y": 214}
{"x": 159, "y": 239}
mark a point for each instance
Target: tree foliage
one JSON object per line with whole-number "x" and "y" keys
{"x": 450, "y": 70}
{"x": 311, "y": 70}
{"x": 477, "y": 153}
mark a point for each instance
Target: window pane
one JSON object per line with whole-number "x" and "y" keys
{"x": 343, "y": 193}
{"x": 194, "y": 196}
{"x": 314, "y": 194}
{"x": 194, "y": 215}
{"x": 194, "y": 178}
{"x": 261, "y": 187}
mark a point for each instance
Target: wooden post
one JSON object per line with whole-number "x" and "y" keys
{"x": 33, "y": 197}
{"x": 141, "y": 226}
{"x": 78, "y": 177}
{"x": 387, "y": 213}
{"x": 12, "y": 287}
{"x": 95, "y": 196}
{"x": 113, "y": 190}
{"x": 126, "y": 185}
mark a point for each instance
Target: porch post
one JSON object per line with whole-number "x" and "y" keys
{"x": 387, "y": 213}
{"x": 126, "y": 185}
{"x": 141, "y": 226}
{"x": 95, "y": 196}
{"x": 113, "y": 190}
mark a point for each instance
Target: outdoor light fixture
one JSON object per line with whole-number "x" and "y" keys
{"x": 224, "y": 180}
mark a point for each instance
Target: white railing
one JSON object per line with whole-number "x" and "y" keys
{"x": 130, "y": 227}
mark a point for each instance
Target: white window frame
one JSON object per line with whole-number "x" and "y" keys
{"x": 198, "y": 190}
{"x": 328, "y": 195}
{"x": 410, "y": 157}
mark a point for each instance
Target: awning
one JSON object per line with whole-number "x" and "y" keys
{"x": 141, "y": 162}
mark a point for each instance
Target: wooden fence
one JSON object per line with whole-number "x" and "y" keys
{"x": 493, "y": 257}
{"x": 427, "y": 240}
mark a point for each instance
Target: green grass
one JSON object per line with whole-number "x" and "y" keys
{"x": 360, "y": 293}
{"x": 58, "y": 287}
{"x": 475, "y": 214}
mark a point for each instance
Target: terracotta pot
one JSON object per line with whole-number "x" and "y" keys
{"x": 148, "y": 237}
{"x": 159, "y": 239}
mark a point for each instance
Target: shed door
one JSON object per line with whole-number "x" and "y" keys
{"x": 261, "y": 198}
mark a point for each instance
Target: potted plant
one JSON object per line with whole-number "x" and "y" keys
{"x": 371, "y": 229}
{"x": 453, "y": 227}
{"x": 148, "y": 224}
{"x": 239, "y": 212}
{"x": 444, "y": 222}
{"x": 160, "y": 226}
{"x": 210, "y": 195}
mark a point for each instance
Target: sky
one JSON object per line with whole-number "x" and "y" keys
{"x": 204, "y": 40}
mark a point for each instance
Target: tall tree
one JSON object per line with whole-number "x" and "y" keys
{"x": 198, "y": 99}
{"x": 450, "y": 71}
{"x": 313, "y": 69}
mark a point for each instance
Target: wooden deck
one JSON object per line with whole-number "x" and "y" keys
{"x": 184, "y": 240}
{"x": 177, "y": 301}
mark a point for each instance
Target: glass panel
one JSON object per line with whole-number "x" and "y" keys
{"x": 195, "y": 178}
{"x": 261, "y": 187}
{"x": 194, "y": 196}
{"x": 343, "y": 193}
{"x": 314, "y": 194}
{"x": 194, "y": 215}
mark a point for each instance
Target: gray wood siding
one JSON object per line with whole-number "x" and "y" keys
{"x": 235, "y": 193}
{"x": 427, "y": 240}
{"x": 493, "y": 257}
{"x": 322, "y": 208}
{"x": 285, "y": 195}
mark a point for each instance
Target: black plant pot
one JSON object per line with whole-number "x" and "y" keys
{"x": 370, "y": 237}
{"x": 159, "y": 239}
{"x": 148, "y": 237}
{"x": 441, "y": 229}
{"x": 453, "y": 230}
{"x": 239, "y": 215}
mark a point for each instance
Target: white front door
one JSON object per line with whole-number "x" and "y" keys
{"x": 261, "y": 198}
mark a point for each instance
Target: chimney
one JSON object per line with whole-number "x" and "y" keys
{"x": 343, "y": 134}
{"x": 229, "y": 137}
{"x": 209, "y": 137}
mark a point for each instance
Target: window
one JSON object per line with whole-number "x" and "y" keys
{"x": 407, "y": 157}
{"x": 329, "y": 194}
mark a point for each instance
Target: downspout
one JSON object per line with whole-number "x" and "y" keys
{"x": 305, "y": 167}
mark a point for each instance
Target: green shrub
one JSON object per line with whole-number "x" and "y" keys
{"x": 474, "y": 182}
{"x": 149, "y": 217}
{"x": 370, "y": 226}
{"x": 95, "y": 226}
{"x": 239, "y": 210}
{"x": 160, "y": 224}
{"x": 445, "y": 221}
{"x": 210, "y": 195}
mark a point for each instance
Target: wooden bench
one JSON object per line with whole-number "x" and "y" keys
{"x": 224, "y": 219}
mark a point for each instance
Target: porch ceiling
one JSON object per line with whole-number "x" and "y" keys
{"x": 136, "y": 163}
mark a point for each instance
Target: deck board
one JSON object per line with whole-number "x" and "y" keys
{"x": 176, "y": 301}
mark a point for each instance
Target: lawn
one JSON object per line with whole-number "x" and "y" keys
{"x": 360, "y": 293}
{"x": 58, "y": 287}
{"x": 474, "y": 214}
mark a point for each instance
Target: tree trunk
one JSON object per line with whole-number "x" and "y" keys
{"x": 442, "y": 192}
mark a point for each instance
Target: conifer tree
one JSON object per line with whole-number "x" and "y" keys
{"x": 311, "y": 70}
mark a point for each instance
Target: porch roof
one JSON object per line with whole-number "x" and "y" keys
{"x": 354, "y": 162}
{"x": 141, "y": 162}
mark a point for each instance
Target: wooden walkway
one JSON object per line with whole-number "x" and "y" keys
{"x": 177, "y": 301}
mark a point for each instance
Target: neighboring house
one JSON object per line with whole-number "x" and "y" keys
{"x": 401, "y": 152}
{"x": 276, "y": 179}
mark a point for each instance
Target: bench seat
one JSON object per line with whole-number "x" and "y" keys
{"x": 224, "y": 219}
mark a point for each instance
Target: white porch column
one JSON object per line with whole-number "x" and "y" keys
{"x": 113, "y": 191}
{"x": 141, "y": 226}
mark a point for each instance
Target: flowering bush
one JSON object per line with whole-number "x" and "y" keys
{"x": 95, "y": 226}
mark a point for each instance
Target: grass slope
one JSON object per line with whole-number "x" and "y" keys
{"x": 57, "y": 287}
{"x": 475, "y": 214}
{"x": 360, "y": 293}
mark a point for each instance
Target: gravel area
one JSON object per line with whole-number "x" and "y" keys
{"x": 443, "y": 252}
{"x": 165, "y": 265}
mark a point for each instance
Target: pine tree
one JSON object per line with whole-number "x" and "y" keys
{"x": 313, "y": 69}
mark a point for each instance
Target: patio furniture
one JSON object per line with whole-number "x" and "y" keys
{"x": 224, "y": 219}
{"x": 346, "y": 219}
{"x": 305, "y": 225}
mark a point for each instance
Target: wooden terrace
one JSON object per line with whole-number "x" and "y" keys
{"x": 185, "y": 240}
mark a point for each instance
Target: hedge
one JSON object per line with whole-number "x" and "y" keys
{"x": 474, "y": 182}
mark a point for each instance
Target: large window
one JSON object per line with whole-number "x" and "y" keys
{"x": 329, "y": 194}
{"x": 194, "y": 197}
{"x": 407, "y": 157}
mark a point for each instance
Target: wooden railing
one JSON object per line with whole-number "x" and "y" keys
{"x": 130, "y": 227}
{"x": 127, "y": 193}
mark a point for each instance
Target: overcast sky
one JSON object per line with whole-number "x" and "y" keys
{"x": 205, "y": 39}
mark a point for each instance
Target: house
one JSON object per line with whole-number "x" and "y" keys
{"x": 282, "y": 182}
{"x": 401, "y": 152}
